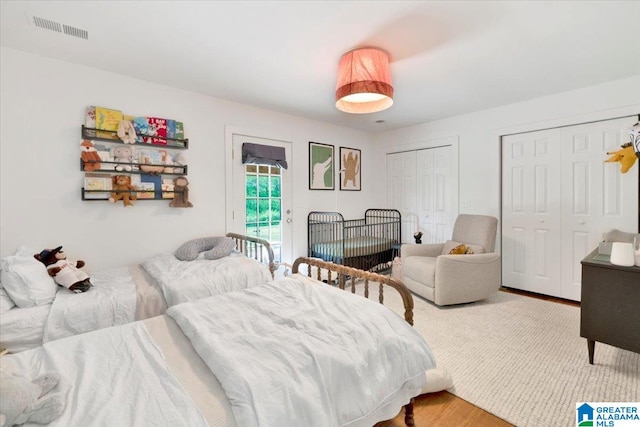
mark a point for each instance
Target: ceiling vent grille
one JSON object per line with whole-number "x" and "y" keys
{"x": 76, "y": 32}
{"x": 48, "y": 24}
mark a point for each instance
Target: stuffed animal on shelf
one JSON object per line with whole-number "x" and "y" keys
{"x": 29, "y": 400}
{"x": 181, "y": 193}
{"x": 123, "y": 155}
{"x": 625, "y": 156}
{"x": 65, "y": 273}
{"x": 126, "y": 132}
{"x": 629, "y": 152}
{"x": 89, "y": 155}
{"x": 634, "y": 134}
{"x": 121, "y": 190}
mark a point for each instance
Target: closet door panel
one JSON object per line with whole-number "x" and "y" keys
{"x": 531, "y": 212}
{"x": 401, "y": 190}
{"x": 426, "y": 196}
{"x": 598, "y": 197}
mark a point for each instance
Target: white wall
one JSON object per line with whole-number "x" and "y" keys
{"x": 479, "y": 134}
{"x": 42, "y": 107}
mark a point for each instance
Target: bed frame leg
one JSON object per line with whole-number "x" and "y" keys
{"x": 408, "y": 414}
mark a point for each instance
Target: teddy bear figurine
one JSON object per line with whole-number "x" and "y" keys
{"x": 65, "y": 273}
{"x": 25, "y": 400}
{"x": 121, "y": 190}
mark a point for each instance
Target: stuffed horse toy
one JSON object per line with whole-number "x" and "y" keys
{"x": 629, "y": 153}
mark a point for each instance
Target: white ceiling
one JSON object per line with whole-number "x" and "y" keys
{"x": 447, "y": 57}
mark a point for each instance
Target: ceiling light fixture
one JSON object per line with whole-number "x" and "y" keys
{"x": 364, "y": 81}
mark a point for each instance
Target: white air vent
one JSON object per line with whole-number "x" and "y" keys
{"x": 48, "y": 24}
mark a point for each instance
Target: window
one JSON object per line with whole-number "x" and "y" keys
{"x": 263, "y": 198}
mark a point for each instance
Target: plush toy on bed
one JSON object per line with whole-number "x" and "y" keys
{"x": 65, "y": 273}
{"x": 26, "y": 400}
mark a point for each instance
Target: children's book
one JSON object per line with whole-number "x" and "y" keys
{"x": 97, "y": 181}
{"x": 90, "y": 121}
{"x": 108, "y": 119}
{"x": 154, "y": 180}
{"x": 167, "y": 188}
{"x": 146, "y": 190}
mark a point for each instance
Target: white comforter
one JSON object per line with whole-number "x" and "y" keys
{"x": 111, "y": 301}
{"x": 296, "y": 351}
{"x": 183, "y": 281}
{"x": 112, "y": 377}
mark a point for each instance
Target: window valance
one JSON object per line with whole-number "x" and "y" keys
{"x": 257, "y": 154}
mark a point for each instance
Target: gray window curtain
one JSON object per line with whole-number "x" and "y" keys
{"x": 256, "y": 154}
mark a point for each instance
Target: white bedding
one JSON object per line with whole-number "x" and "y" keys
{"x": 183, "y": 281}
{"x": 280, "y": 354}
{"x": 23, "y": 328}
{"x": 111, "y": 301}
{"x": 112, "y": 377}
{"x": 122, "y": 295}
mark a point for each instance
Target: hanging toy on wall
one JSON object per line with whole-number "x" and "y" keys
{"x": 629, "y": 152}
{"x": 181, "y": 193}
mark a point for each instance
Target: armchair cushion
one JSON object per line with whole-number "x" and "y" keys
{"x": 421, "y": 269}
{"x": 449, "y": 245}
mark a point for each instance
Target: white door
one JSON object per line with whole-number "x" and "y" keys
{"x": 401, "y": 190}
{"x": 558, "y": 198}
{"x": 597, "y": 196}
{"x": 422, "y": 185}
{"x": 262, "y": 198}
{"x": 436, "y": 194}
{"x": 531, "y": 211}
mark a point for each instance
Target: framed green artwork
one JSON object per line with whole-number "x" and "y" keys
{"x": 321, "y": 175}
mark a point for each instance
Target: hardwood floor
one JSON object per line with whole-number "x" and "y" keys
{"x": 443, "y": 409}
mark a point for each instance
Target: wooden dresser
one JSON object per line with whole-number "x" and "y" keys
{"x": 610, "y": 307}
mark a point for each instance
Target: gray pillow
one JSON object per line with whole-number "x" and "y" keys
{"x": 213, "y": 248}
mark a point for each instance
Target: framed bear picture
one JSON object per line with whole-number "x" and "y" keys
{"x": 350, "y": 159}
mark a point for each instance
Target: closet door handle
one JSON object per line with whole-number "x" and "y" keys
{"x": 582, "y": 222}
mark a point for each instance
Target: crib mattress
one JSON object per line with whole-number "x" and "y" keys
{"x": 353, "y": 247}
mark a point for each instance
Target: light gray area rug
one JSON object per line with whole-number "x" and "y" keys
{"x": 523, "y": 359}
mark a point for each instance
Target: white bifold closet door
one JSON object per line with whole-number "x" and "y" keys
{"x": 558, "y": 198}
{"x": 422, "y": 185}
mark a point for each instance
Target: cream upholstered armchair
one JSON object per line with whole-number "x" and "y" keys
{"x": 431, "y": 272}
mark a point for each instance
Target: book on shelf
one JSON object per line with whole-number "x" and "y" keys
{"x": 108, "y": 119}
{"x": 167, "y": 188}
{"x": 90, "y": 120}
{"x": 155, "y": 188}
{"x": 97, "y": 182}
{"x": 146, "y": 190}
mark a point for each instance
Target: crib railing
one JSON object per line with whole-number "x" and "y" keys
{"x": 365, "y": 243}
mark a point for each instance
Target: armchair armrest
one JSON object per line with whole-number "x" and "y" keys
{"x": 412, "y": 249}
{"x": 480, "y": 273}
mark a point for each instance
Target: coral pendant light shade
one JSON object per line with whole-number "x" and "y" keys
{"x": 364, "y": 81}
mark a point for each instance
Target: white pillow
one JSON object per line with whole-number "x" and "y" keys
{"x": 26, "y": 281}
{"x": 6, "y": 303}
